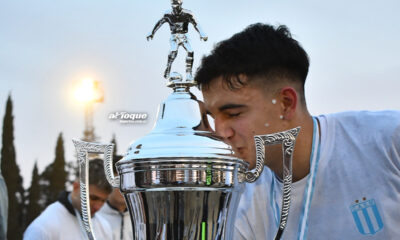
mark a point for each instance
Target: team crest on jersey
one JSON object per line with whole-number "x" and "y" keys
{"x": 366, "y": 216}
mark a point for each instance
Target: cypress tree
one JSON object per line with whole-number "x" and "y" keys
{"x": 58, "y": 174}
{"x": 34, "y": 208}
{"x": 12, "y": 177}
{"x": 44, "y": 183}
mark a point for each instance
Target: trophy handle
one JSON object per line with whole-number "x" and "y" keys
{"x": 288, "y": 140}
{"x": 82, "y": 150}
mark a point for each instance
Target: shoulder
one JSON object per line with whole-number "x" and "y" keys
{"x": 386, "y": 122}
{"x": 372, "y": 133}
{"x": 53, "y": 211}
{"x": 50, "y": 220}
{"x": 186, "y": 11}
{"x": 167, "y": 13}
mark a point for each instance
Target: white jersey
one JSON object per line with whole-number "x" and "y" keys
{"x": 57, "y": 223}
{"x": 357, "y": 185}
{"x": 120, "y": 222}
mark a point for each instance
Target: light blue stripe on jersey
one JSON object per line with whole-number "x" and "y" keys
{"x": 274, "y": 205}
{"x": 314, "y": 160}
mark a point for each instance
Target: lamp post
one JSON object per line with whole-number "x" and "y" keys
{"x": 89, "y": 92}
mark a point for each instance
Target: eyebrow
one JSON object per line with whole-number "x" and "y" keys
{"x": 230, "y": 106}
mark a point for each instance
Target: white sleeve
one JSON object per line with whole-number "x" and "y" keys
{"x": 35, "y": 232}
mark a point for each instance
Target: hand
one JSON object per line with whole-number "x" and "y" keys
{"x": 150, "y": 37}
{"x": 204, "y": 38}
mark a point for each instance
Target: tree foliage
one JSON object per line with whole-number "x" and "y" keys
{"x": 33, "y": 207}
{"x": 12, "y": 177}
{"x": 55, "y": 176}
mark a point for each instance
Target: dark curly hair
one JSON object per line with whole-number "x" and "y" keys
{"x": 259, "y": 50}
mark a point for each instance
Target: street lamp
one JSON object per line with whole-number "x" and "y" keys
{"x": 88, "y": 93}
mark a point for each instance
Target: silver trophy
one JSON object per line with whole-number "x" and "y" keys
{"x": 181, "y": 181}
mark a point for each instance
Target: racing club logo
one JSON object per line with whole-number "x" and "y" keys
{"x": 366, "y": 216}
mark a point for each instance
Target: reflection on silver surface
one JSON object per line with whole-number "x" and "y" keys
{"x": 178, "y": 20}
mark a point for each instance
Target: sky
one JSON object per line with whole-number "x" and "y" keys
{"x": 47, "y": 47}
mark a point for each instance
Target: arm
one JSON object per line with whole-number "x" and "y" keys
{"x": 196, "y": 26}
{"x": 156, "y": 27}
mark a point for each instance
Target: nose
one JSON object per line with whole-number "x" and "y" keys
{"x": 95, "y": 207}
{"x": 223, "y": 129}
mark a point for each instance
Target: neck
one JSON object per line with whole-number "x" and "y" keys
{"x": 75, "y": 200}
{"x": 303, "y": 148}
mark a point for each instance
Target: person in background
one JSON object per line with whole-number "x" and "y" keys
{"x": 3, "y": 207}
{"x": 62, "y": 219}
{"x": 116, "y": 212}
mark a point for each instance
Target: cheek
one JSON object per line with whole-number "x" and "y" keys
{"x": 243, "y": 128}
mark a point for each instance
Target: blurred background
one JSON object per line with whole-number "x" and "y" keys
{"x": 48, "y": 49}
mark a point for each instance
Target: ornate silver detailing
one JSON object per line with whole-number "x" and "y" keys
{"x": 178, "y": 20}
{"x": 82, "y": 150}
{"x": 288, "y": 140}
{"x": 287, "y": 188}
{"x": 252, "y": 175}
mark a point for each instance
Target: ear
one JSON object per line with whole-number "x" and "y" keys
{"x": 289, "y": 101}
{"x": 76, "y": 186}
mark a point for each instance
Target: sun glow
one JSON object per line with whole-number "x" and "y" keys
{"x": 88, "y": 91}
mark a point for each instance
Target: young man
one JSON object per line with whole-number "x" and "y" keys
{"x": 346, "y": 166}
{"x": 116, "y": 212}
{"x": 62, "y": 219}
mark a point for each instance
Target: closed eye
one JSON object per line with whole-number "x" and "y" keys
{"x": 233, "y": 114}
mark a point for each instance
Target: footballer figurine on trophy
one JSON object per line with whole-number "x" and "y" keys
{"x": 178, "y": 20}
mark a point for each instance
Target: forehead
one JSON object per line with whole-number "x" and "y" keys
{"x": 96, "y": 191}
{"x": 219, "y": 94}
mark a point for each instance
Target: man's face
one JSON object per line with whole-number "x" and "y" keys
{"x": 241, "y": 114}
{"x": 97, "y": 198}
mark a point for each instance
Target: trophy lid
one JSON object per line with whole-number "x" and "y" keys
{"x": 182, "y": 130}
